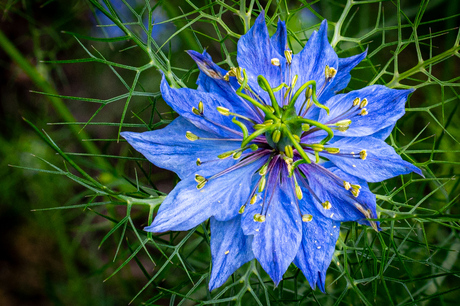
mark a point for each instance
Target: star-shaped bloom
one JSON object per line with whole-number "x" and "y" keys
{"x": 273, "y": 156}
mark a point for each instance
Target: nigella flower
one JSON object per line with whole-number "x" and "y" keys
{"x": 273, "y": 156}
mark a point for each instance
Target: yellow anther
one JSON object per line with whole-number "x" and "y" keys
{"x": 344, "y": 123}
{"x": 326, "y": 205}
{"x": 332, "y": 72}
{"x": 346, "y": 185}
{"x": 237, "y": 154}
{"x": 343, "y": 128}
{"x": 201, "y": 185}
{"x": 332, "y": 150}
{"x": 263, "y": 169}
{"x": 356, "y": 101}
{"x": 307, "y": 218}
{"x": 262, "y": 183}
{"x": 305, "y": 127}
{"x": 198, "y": 162}
{"x": 242, "y": 209}
{"x": 190, "y": 136}
{"x": 259, "y": 126}
{"x": 308, "y": 92}
{"x": 254, "y": 147}
{"x": 363, "y": 154}
{"x": 253, "y": 199}
{"x": 268, "y": 122}
{"x": 259, "y": 218}
{"x": 225, "y": 154}
{"x": 294, "y": 81}
{"x": 317, "y": 147}
{"x": 275, "y": 61}
{"x": 223, "y": 111}
{"x": 276, "y": 136}
{"x": 363, "y": 112}
{"x": 288, "y": 151}
{"x": 199, "y": 178}
{"x": 296, "y": 137}
{"x": 363, "y": 103}
{"x": 298, "y": 192}
{"x": 326, "y": 72}
{"x": 196, "y": 111}
{"x": 355, "y": 190}
{"x": 288, "y": 55}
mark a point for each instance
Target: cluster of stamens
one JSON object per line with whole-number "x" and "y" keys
{"x": 278, "y": 137}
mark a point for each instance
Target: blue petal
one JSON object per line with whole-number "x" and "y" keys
{"x": 318, "y": 244}
{"x": 209, "y": 81}
{"x": 168, "y": 148}
{"x": 276, "y": 240}
{"x": 279, "y": 39}
{"x": 328, "y": 186}
{"x": 385, "y": 107}
{"x": 230, "y": 249}
{"x": 381, "y": 163}
{"x": 311, "y": 62}
{"x": 255, "y": 52}
{"x": 183, "y": 100}
{"x": 185, "y": 207}
{"x": 341, "y": 80}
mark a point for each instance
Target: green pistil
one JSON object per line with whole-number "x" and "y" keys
{"x": 297, "y": 145}
{"x": 263, "y": 83}
{"x": 313, "y": 96}
{"x": 299, "y": 120}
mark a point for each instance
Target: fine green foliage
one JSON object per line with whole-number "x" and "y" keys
{"x": 411, "y": 44}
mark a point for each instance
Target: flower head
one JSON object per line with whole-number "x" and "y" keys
{"x": 273, "y": 155}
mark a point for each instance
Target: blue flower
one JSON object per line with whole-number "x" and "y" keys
{"x": 273, "y": 156}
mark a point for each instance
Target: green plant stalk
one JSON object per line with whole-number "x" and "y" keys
{"x": 57, "y": 103}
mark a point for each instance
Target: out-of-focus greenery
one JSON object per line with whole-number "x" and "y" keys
{"x": 62, "y": 256}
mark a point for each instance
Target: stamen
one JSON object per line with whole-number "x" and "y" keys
{"x": 198, "y": 161}
{"x": 225, "y": 154}
{"x": 237, "y": 154}
{"x": 363, "y": 103}
{"x": 326, "y": 205}
{"x": 332, "y": 150}
{"x": 288, "y": 151}
{"x": 253, "y": 199}
{"x": 307, "y": 218}
{"x": 199, "y": 178}
{"x": 259, "y": 218}
{"x": 196, "y": 111}
{"x": 363, "y": 154}
{"x": 355, "y": 190}
{"x": 201, "y": 185}
{"x": 288, "y": 55}
{"x": 276, "y": 136}
{"x": 363, "y": 112}
{"x": 275, "y": 61}
{"x": 190, "y": 136}
{"x": 223, "y": 111}
{"x": 356, "y": 101}
{"x": 262, "y": 184}
{"x": 241, "y": 210}
{"x": 346, "y": 185}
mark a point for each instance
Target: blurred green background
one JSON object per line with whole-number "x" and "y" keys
{"x": 52, "y": 257}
